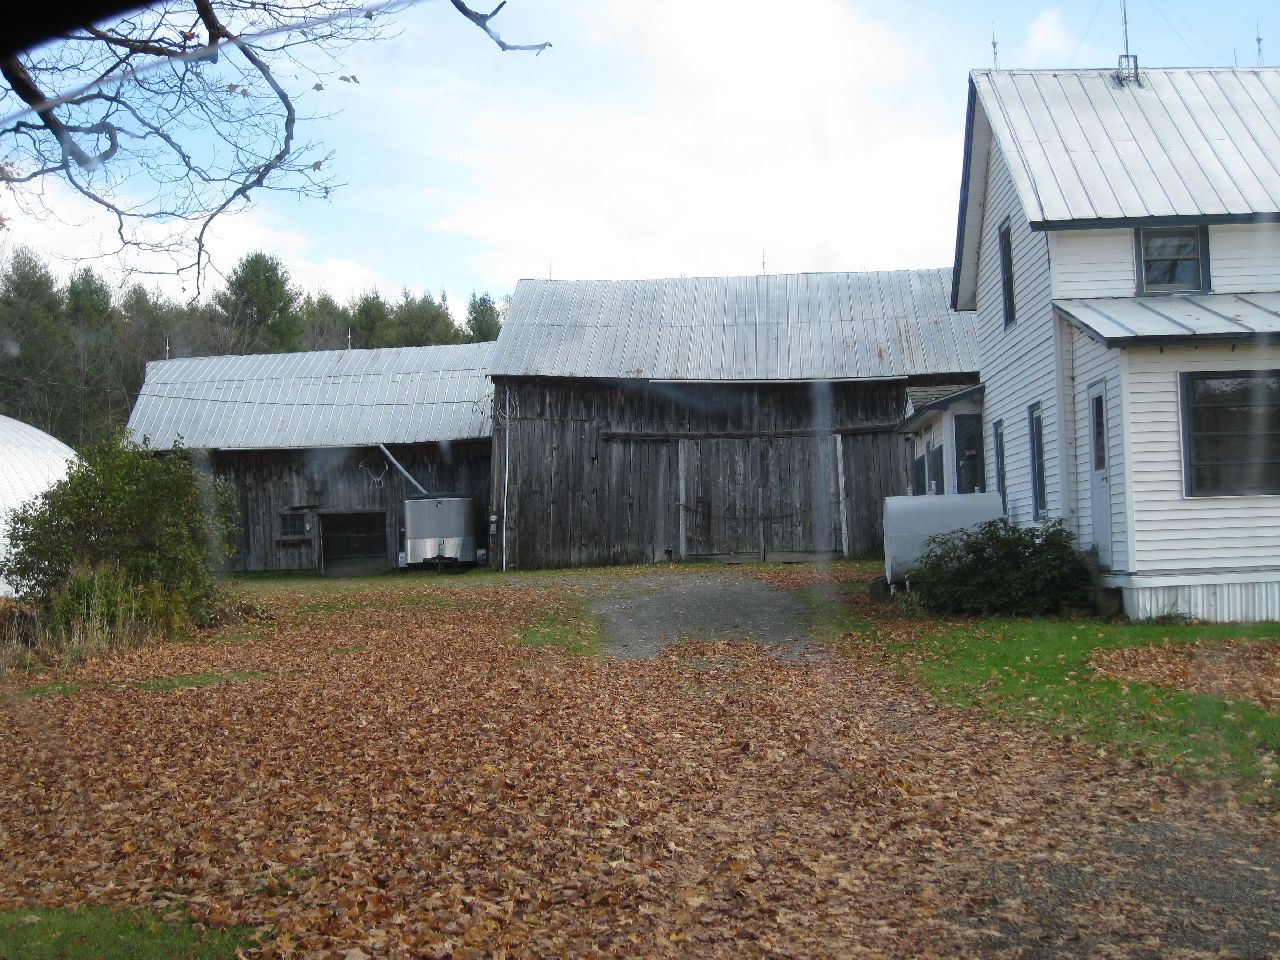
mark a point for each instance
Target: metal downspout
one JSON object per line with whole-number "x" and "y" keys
{"x": 506, "y": 468}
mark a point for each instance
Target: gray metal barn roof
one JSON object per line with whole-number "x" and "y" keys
{"x": 1189, "y": 142}
{"x": 332, "y": 398}
{"x": 804, "y": 326}
{"x": 1134, "y": 321}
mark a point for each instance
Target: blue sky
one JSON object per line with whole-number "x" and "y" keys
{"x": 670, "y": 137}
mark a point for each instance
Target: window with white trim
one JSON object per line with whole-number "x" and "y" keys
{"x": 1039, "y": 498}
{"x": 1231, "y": 433}
{"x": 1173, "y": 259}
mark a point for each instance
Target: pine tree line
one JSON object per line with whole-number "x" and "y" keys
{"x": 73, "y": 356}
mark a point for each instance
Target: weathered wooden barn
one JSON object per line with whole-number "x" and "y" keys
{"x": 728, "y": 417}
{"x": 315, "y": 443}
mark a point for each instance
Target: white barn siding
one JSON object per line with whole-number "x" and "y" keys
{"x": 1093, "y": 362}
{"x": 1173, "y": 532}
{"x": 1244, "y": 258}
{"x": 1018, "y": 363}
{"x": 1092, "y": 263}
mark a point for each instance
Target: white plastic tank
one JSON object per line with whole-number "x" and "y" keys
{"x": 910, "y": 521}
{"x": 439, "y": 529}
{"x": 31, "y": 462}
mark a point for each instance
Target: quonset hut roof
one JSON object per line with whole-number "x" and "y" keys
{"x": 31, "y": 462}
{"x": 331, "y": 398}
{"x": 787, "y": 327}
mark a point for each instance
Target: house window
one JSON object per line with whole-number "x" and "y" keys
{"x": 970, "y": 470}
{"x": 937, "y": 482}
{"x": 1006, "y": 274}
{"x": 1231, "y": 433}
{"x": 293, "y": 524}
{"x": 997, "y": 441}
{"x": 1173, "y": 260}
{"x": 1098, "y": 422}
{"x": 1036, "y": 423}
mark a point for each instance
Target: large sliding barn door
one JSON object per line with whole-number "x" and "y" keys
{"x": 760, "y": 498}
{"x": 801, "y": 498}
{"x": 721, "y": 496}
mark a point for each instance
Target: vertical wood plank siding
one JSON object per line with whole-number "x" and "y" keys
{"x": 609, "y": 472}
{"x": 336, "y": 480}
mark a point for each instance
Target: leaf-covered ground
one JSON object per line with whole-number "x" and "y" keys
{"x": 1232, "y": 669}
{"x": 391, "y": 773}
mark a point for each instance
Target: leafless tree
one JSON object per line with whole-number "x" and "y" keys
{"x": 176, "y": 114}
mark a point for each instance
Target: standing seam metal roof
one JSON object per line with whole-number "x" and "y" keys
{"x": 1082, "y": 145}
{"x": 332, "y": 398}
{"x": 806, "y": 326}
{"x": 1223, "y": 317}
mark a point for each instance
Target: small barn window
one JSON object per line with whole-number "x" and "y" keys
{"x": 1006, "y": 274}
{"x": 1173, "y": 260}
{"x": 1039, "y": 500}
{"x": 293, "y": 524}
{"x": 937, "y": 481}
{"x": 1231, "y": 433}
{"x": 997, "y": 442}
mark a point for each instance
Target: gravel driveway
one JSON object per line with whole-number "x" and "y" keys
{"x": 644, "y": 614}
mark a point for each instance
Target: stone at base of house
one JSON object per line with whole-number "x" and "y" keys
{"x": 1230, "y": 597}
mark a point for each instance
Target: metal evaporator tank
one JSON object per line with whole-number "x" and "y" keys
{"x": 439, "y": 529}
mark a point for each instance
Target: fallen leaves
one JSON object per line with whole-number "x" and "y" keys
{"x": 403, "y": 779}
{"x": 1230, "y": 669}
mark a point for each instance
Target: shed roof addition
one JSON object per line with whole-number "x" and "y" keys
{"x": 787, "y": 327}
{"x": 1196, "y": 318}
{"x": 331, "y": 398}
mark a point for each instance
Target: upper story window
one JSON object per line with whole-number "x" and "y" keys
{"x": 1231, "y": 433}
{"x": 1173, "y": 259}
{"x": 1006, "y": 274}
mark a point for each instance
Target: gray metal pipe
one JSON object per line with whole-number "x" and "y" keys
{"x": 407, "y": 475}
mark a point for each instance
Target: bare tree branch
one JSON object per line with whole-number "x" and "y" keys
{"x": 174, "y": 115}
{"x": 481, "y": 20}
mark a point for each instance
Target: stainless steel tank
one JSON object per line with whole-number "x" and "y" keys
{"x": 439, "y": 529}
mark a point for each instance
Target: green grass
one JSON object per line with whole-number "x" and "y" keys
{"x": 99, "y": 933}
{"x": 576, "y": 631}
{"x": 1037, "y": 671}
{"x": 59, "y": 688}
{"x": 195, "y": 680}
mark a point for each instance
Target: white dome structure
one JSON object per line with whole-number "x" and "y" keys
{"x": 31, "y": 462}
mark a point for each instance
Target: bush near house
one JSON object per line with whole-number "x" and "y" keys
{"x": 119, "y": 549}
{"x": 999, "y": 568}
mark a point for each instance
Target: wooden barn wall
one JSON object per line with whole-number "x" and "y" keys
{"x": 630, "y": 472}
{"x": 268, "y": 483}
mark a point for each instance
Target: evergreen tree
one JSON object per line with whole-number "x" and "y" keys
{"x": 483, "y": 320}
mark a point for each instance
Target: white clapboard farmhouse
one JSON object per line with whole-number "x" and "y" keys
{"x": 1119, "y": 238}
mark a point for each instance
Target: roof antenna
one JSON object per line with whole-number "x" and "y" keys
{"x": 1128, "y": 67}
{"x": 1259, "y": 28}
{"x": 166, "y": 346}
{"x": 762, "y": 269}
{"x": 348, "y": 338}
{"x": 995, "y": 52}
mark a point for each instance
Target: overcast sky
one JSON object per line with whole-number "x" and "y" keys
{"x": 667, "y": 137}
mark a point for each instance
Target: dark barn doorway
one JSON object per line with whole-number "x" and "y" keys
{"x": 354, "y": 543}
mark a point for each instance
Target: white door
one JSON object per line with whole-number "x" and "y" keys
{"x": 1099, "y": 486}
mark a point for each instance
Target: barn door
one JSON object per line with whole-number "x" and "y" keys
{"x": 801, "y": 498}
{"x": 720, "y": 486}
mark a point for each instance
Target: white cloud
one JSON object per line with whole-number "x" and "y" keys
{"x": 67, "y": 230}
{"x": 788, "y": 129}
{"x": 1050, "y": 43}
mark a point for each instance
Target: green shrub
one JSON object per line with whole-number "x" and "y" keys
{"x": 124, "y": 542}
{"x": 999, "y": 568}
